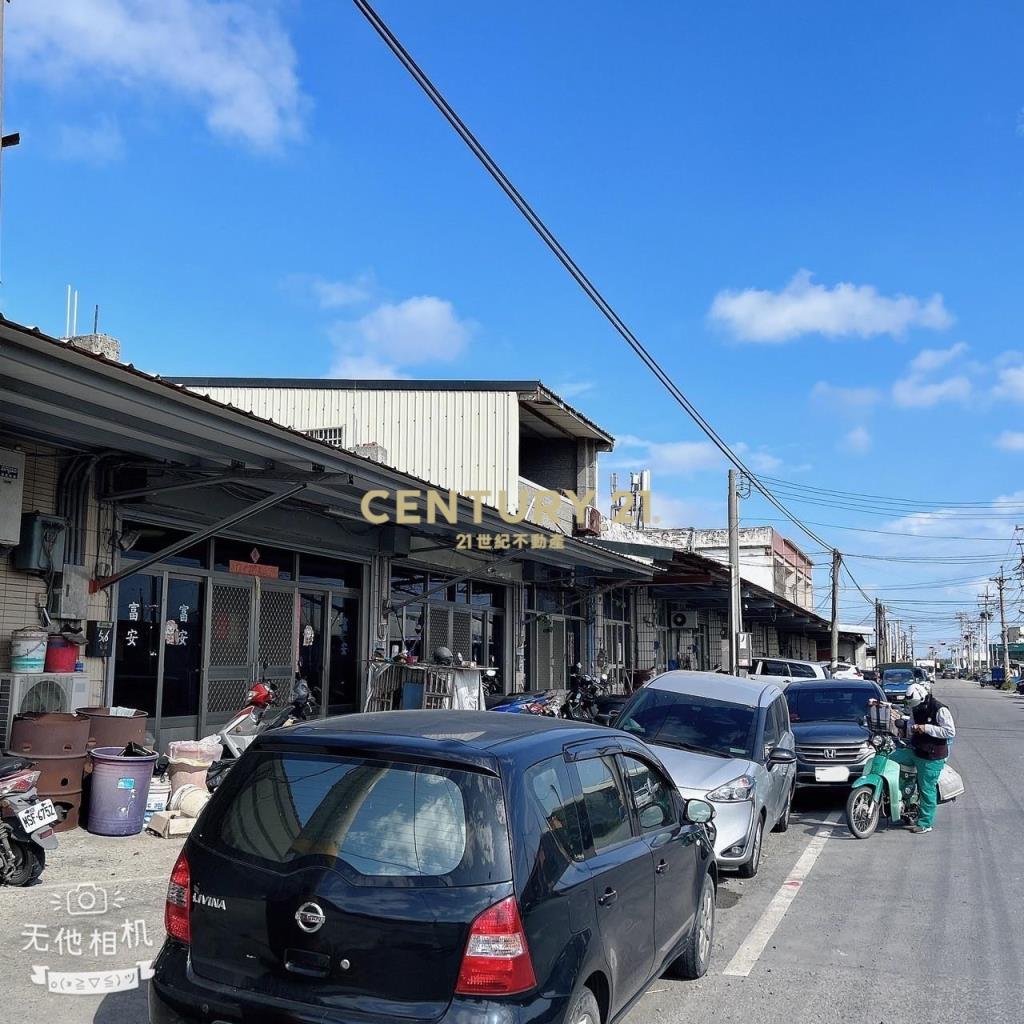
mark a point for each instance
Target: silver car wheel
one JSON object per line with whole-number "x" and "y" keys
{"x": 707, "y": 924}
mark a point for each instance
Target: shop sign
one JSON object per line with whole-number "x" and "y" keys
{"x": 266, "y": 572}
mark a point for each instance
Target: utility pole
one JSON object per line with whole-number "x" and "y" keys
{"x": 837, "y": 561}
{"x": 913, "y": 659}
{"x": 881, "y": 634}
{"x": 1000, "y": 582}
{"x": 735, "y": 592}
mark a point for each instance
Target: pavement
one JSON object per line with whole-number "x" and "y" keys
{"x": 896, "y": 929}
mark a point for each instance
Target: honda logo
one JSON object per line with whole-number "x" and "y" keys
{"x": 829, "y": 753}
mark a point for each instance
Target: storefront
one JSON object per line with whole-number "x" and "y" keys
{"x": 195, "y": 631}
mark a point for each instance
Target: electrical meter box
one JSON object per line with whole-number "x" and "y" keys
{"x": 42, "y": 543}
{"x": 12, "y": 490}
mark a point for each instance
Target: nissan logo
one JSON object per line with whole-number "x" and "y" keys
{"x": 310, "y": 917}
{"x": 829, "y": 753}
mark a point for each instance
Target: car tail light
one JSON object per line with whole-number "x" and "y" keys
{"x": 23, "y": 782}
{"x": 179, "y": 902}
{"x": 497, "y": 959}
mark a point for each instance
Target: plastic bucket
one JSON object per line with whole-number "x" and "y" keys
{"x": 61, "y": 654}
{"x": 189, "y": 801}
{"x": 159, "y": 793}
{"x": 28, "y": 649}
{"x": 120, "y": 791}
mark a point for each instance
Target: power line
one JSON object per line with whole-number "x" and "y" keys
{"x": 793, "y": 485}
{"x": 562, "y": 255}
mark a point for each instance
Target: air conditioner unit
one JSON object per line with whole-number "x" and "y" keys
{"x": 39, "y": 691}
{"x": 677, "y": 620}
{"x": 591, "y": 525}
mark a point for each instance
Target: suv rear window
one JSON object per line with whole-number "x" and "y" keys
{"x": 410, "y": 823}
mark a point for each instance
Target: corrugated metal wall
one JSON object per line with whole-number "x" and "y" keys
{"x": 465, "y": 440}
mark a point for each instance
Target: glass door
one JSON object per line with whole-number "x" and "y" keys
{"x": 181, "y": 680}
{"x": 140, "y": 605}
{"x": 312, "y": 647}
{"x": 343, "y": 679}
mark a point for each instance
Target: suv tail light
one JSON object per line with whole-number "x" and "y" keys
{"x": 179, "y": 901}
{"x": 497, "y": 960}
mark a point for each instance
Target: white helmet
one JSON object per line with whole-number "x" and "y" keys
{"x": 916, "y": 693}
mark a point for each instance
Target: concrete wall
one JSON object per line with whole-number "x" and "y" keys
{"x": 21, "y": 592}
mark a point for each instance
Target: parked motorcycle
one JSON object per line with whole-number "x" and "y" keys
{"x": 533, "y": 702}
{"x": 582, "y": 703}
{"x": 25, "y": 823}
{"x": 258, "y": 716}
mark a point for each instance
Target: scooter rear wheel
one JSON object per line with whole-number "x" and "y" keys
{"x": 31, "y": 861}
{"x": 862, "y": 812}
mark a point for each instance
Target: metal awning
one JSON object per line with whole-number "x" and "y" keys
{"x": 57, "y": 394}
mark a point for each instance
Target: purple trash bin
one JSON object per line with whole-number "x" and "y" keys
{"x": 120, "y": 788}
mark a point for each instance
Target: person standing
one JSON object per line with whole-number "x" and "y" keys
{"x": 930, "y": 728}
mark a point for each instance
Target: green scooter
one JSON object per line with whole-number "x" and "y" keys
{"x": 886, "y": 786}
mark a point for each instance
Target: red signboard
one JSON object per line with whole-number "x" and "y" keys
{"x": 267, "y": 572}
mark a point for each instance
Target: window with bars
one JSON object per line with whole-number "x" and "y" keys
{"x": 332, "y": 435}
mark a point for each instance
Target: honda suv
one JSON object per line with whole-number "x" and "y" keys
{"x": 436, "y": 866}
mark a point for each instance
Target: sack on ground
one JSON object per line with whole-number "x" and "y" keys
{"x": 951, "y": 785}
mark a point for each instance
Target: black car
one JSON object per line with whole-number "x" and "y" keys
{"x": 828, "y": 719}
{"x": 448, "y": 867}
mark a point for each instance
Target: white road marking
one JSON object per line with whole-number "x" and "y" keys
{"x": 753, "y": 946}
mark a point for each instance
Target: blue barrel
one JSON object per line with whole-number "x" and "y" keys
{"x": 120, "y": 789}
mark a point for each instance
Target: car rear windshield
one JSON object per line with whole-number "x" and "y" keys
{"x": 897, "y": 675}
{"x": 377, "y": 822}
{"x": 690, "y": 723}
{"x": 829, "y": 704}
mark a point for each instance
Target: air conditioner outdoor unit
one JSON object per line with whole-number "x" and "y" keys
{"x": 39, "y": 691}
{"x": 591, "y": 525}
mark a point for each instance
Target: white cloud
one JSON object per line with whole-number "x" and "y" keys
{"x": 857, "y": 440}
{"x": 803, "y": 307}
{"x": 573, "y": 388}
{"x": 929, "y": 359}
{"x": 99, "y": 142}
{"x": 851, "y": 399}
{"x": 668, "y": 512}
{"x": 685, "y": 458}
{"x": 1010, "y": 441}
{"x": 233, "y": 61}
{"x": 759, "y": 461}
{"x": 328, "y": 294}
{"x": 682, "y": 457}
{"x": 1011, "y": 384}
{"x": 916, "y": 393}
{"x": 418, "y": 330}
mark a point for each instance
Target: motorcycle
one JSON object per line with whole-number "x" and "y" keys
{"x": 533, "y": 702}
{"x": 256, "y": 718}
{"x": 584, "y": 692}
{"x": 25, "y": 820}
{"x": 888, "y": 787}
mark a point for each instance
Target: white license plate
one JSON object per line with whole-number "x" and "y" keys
{"x": 837, "y": 774}
{"x": 38, "y": 815}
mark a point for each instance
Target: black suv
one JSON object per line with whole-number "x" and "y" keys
{"x": 829, "y": 722}
{"x": 436, "y": 866}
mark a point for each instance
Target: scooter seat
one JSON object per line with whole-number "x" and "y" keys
{"x": 11, "y": 763}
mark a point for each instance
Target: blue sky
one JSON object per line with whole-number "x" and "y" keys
{"x": 812, "y": 215}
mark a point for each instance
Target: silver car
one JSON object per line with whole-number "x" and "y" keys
{"x": 725, "y": 740}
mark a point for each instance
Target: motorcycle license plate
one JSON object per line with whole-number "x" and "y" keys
{"x": 37, "y": 816}
{"x": 836, "y": 774}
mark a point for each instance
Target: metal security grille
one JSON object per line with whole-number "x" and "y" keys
{"x": 229, "y": 625}
{"x": 276, "y": 627}
{"x": 226, "y": 695}
{"x": 6, "y": 685}
{"x": 558, "y": 659}
{"x": 542, "y": 670}
{"x": 462, "y": 634}
{"x": 332, "y": 435}
{"x": 438, "y": 631}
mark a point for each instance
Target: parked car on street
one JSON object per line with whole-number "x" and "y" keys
{"x": 870, "y": 674}
{"x": 725, "y": 740}
{"x": 895, "y": 683}
{"x": 828, "y": 722}
{"x": 784, "y": 670}
{"x": 437, "y": 866}
{"x": 844, "y": 670}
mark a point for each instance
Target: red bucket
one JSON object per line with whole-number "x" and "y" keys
{"x": 61, "y": 654}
